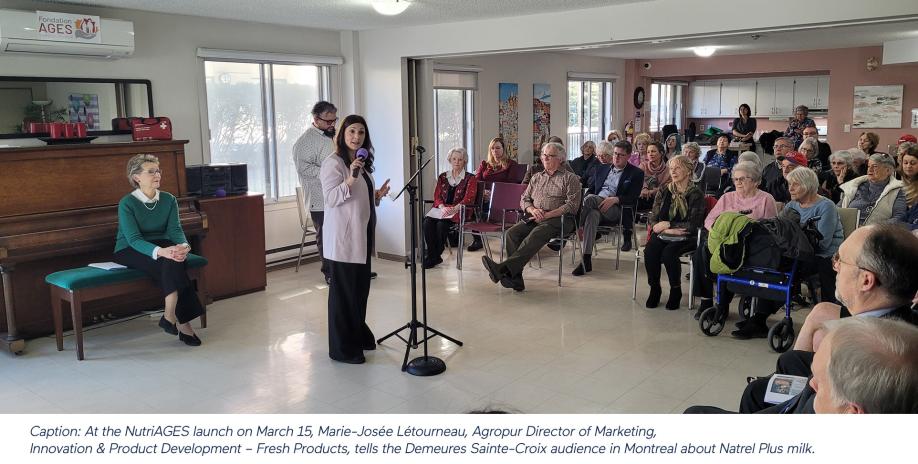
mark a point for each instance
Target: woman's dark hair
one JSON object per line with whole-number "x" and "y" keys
{"x": 341, "y": 148}
{"x": 660, "y": 148}
{"x": 748, "y": 109}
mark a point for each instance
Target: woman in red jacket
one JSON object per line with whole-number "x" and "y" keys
{"x": 454, "y": 187}
{"x": 496, "y": 168}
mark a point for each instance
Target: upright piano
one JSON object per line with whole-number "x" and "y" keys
{"x": 59, "y": 210}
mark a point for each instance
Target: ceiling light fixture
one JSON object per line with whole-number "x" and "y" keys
{"x": 390, "y": 7}
{"x": 704, "y": 51}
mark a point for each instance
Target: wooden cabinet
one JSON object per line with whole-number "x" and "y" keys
{"x": 775, "y": 97}
{"x": 735, "y": 92}
{"x": 234, "y": 245}
{"x": 705, "y": 99}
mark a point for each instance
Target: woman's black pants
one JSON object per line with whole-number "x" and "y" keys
{"x": 170, "y": 276}
{"x": 658, "y": 253}
{"x": 348, "y": 333}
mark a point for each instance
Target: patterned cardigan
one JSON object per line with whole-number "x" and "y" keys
{"x": 465, "y": 193}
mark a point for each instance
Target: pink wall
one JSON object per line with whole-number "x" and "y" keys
{"x": 846, "y": 68}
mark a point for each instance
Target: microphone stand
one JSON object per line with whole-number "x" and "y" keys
{"x": 425, "y": 365}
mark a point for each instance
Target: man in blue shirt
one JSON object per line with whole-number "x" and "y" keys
{"x": 614, "y": 184}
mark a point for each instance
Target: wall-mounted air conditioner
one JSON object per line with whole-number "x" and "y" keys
{"x": 19, "y": 34}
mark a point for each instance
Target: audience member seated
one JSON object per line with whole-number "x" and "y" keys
{"x": 859, "y": 161}
{"x": 454, "y": 187}
{"x": 551, "y": 193}
{"x": 909, "y": 174}
{"x": 797, "y": 123}
{"x": 616, "y": 183}
{"x": 641, "y": 141}
{"x": 536, "y": 165}
{"x": 678, "y": 212}
{"x": 746, "y": 199}
{"x": 868, "y": 142}
{"x": 875, "y": 278}
{"x": 587, "y": 159}
{"x": 841, "y": 171}
{"x": 805, "y": 199}
{"x": 878, "y": 195}
{"x": 673, "y": 146}
{"x": 614, "y": 136}
{"x": 810, "y": 148}
{"x": 656, "y": 175}
{"x": 901, "y": 149}
{"x": 823, "y": 150}
{"x": 864, "y": 366}
{"x": 772, "y": 175}
{"x": 748, "y": 157}
{"x": 744, "y": 126}
{"x": 792, "y": 160}
{"x": 723, "y": 159}
{"x": 496, "y": 168}
{"x": 693, "y": 151}
{"x": 150, "y": 239}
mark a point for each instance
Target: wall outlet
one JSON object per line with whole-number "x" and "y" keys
{"x": 847, "y": 127}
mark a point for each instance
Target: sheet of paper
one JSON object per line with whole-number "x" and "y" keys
{"x": 437, "y": 213}
{"x": 107, "y": 266}
{"x": 783, "y": 387}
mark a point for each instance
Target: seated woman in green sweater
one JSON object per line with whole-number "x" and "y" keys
{"x": 150, "y": 239}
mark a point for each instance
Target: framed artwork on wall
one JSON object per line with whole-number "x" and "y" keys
{"x": 877, "y": 107}
{"x": 541, "y": 115}
{"x": 508, "y": 116}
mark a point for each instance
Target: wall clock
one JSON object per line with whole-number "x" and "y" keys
{"x": 639, "y": 97}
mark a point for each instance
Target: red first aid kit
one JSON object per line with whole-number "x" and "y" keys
{"x": 151, "y": 129}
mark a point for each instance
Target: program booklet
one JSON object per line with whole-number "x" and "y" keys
{"x": 783, "y": 387}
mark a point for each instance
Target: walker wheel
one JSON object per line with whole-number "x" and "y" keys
{"x": 781, "y": 336}
{"x": 709, "y": 322}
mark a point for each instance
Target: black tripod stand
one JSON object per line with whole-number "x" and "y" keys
{"x": 425, "y": 365}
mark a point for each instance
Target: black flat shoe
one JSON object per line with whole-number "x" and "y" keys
{"x": 492, "y": 268}
{"x": 476, "y": 245}
{"x": 190, "y": 340}
{"x": 355, "y": 360}
{"x": 373, "y": 275}
{"x": 626, "y": 245}
{"x": 369, "y": 347}
{"x": 751, "y": 330}
{"x": 168, "y": 327}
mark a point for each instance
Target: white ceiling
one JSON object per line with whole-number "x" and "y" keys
{"x": 813, "y": 38}
{"x": 350, "y": 14}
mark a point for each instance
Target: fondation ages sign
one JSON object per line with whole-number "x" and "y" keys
{"x": 66, "y": 27}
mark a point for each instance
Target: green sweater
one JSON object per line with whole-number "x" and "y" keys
{"x": 137, "y": 225}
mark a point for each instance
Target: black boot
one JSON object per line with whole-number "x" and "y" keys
{"x": 626, "y": 240}
{"x": 675, "y": 297}
{"x": 476, "y": 244}
{"x": 653, "y": 298}
{"x": 755, "y": 327}
{"x": 586, "y": 265}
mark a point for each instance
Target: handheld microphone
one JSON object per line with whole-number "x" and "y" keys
{"x": 362, "y": 154}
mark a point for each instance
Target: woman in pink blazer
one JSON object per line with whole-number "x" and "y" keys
{"x": 349, "y": 228}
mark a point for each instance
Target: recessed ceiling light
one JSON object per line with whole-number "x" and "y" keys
{"x": 390, "y": 7}
{"x": 704, "y": 51}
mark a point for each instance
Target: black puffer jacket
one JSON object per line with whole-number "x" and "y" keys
{"x": 789, "y": 236}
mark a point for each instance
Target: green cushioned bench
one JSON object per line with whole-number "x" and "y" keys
{"x": 84, "y": 284}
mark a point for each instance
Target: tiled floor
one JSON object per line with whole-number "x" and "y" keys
{"x": 582, "y": 348}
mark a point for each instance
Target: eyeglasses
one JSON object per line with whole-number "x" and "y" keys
{"x": 737, "y": 180}
{"x": 836, "y": 260}
{"x": 153, "y": 172}
{"x": 327, "y": 121}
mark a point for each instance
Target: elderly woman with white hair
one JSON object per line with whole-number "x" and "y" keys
{"x": 746, "y": 199}
{"x": 840, "y": 171}
{"x": 454, "y": 188}
{"x": 810, "y": 148}
{"x": 150, "y": 239}
{"x": 878, "y": 195}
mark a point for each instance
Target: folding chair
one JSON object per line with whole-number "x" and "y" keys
{"x": 517, "y": 173}
{"x": 620, "y": 229}
{"x": 503, "y": 213}
{"x": 684, "y": 259}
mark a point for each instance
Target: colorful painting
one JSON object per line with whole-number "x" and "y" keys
{"x": 84, "y": 107}
{"x": 508, "y": 116}
{"x": 541, "y": 115}
{"x": 877, "y": 106}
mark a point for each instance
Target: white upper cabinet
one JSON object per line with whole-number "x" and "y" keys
{"x": 784, "y": 96}
{"x": 822, "y": 93}
{"x": 775, "y": 97}
{"x": 805, "y": 91}
{"x": 735, "y": 92}
{"x": 704, "y": 99}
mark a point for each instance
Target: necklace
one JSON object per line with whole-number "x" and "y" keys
{"x": 149, "y": 208}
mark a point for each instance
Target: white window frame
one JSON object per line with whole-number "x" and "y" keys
{"x": 327, "y": 67}
{"x": 607, "y": 110}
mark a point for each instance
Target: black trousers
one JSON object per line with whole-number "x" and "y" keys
{"x": 435, "y": 236}
{"x": 658, "y": 253}
{"x": 169, "y": 276}
{"x": 825, "y": 273}
{"x": 318, "y": 217}
{"x": 348, "y": 332}
{"x": 791, "y": 363}
{"x": 701, "y": 266}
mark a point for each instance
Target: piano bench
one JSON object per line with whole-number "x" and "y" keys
{"x": 84, "y": 284}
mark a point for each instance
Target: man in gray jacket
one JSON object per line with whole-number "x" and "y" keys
{"x": 309, "y": 151}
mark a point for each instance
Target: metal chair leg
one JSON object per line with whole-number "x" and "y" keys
{"x": 637, "y": 262}
{"x": 300, "y": 257}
